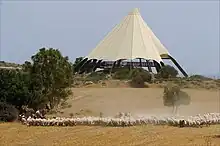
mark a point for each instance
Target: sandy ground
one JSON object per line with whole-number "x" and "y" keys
{"x": 20, "y": 135}
{"x": 146, "y": 101}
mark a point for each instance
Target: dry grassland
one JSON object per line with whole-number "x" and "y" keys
{"x": 14, "y": 134}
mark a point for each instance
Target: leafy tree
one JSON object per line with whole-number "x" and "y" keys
{"x": 168, "y": 71}
{"x": 51, "y": 75}
{"x": 17, "y": 89}
{"x": 44, "y": 80}
{"x": 174, "y": 97}
{"x": 14, "y": 87}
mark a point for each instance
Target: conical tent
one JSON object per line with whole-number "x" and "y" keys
{"x": 131, "y": 39}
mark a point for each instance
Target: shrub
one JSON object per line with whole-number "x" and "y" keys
{"x": 137, "y": 82}
{"x": 8, "y": 113}
{"x": 167, "y": 71}
{"x": 15, "y": 87}
{"x": 122, "y": 74}
{"x": 146, "y": 76}
{"x": 198, "y": 78}
{"x": 95, "y": 77}
{"x": 126, "y": 74}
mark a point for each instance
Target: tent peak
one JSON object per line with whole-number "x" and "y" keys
{"x": 135, "y": 11}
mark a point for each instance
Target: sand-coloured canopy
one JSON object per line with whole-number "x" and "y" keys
{"x": 131, "y": 39}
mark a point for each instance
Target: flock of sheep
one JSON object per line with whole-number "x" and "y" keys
{"x": 127, "y": 120}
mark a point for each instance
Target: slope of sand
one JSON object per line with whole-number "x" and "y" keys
{"x": 147, "y": 101}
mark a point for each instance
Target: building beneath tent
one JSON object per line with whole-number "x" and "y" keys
{"x": 129, "y": 41}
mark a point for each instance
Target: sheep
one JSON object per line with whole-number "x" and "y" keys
{"x": 192, "y": 121}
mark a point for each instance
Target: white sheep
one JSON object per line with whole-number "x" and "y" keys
{"x": 192, "y": 121}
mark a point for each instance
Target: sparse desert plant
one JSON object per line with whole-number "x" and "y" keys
{"x": 167, "y": 71}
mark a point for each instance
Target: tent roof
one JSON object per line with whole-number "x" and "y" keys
{"x": 130, "y": 39}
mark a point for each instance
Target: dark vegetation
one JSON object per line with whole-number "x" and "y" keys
{"x": 45, "y": 82}
{"x": 7, "y": 64}
{"x": 8, "y": 113}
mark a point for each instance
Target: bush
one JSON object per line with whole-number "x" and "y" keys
{"x": 14, "y": 87}
{"x": 96, "y": 76}
{"x": 145, "y": 75}
{"x": 8, "y": 113}
{"x": 167, "y": 71}
{"x": 126, "y": 74}
{"x": 122, "y": 74}
{"x": 198, "y": 78}
{"x": 137, "y": 82}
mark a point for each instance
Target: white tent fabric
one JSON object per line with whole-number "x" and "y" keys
{"x": 130, "y": 39}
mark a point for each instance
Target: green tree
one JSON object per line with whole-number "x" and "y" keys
{"x": 51, "y": 75}
{"x": 17, "y": 89}
{"x": 174, "y": 97}
{"x": 14, "y": 87}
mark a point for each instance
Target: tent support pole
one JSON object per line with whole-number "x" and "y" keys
{"x": 83, "y": 65}
{"x": 140, "y": 62}
{"x": 113, "y": 65}
{"x": 178, "y": 66}
{"x": 148, "y": 66}
{"x": 95, "y": 61}
{"x": 131, "y": 65}
{"x": 157, "y": 66}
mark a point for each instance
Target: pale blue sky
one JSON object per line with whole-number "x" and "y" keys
{"x": 189, "y": 30}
